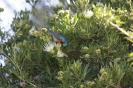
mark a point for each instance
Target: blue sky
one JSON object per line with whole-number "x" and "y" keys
{"x": 9, "y": 7}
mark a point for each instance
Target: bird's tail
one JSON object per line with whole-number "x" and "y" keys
{"x": 50, "y": 31}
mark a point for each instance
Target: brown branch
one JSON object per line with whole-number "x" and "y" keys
{"x": 122, "y": 30}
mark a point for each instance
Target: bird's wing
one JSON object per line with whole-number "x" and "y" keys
{"x": 54, "y": 34}
{"x": 62, "y": 38}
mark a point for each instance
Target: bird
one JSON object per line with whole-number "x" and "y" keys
{"x": 58, "y": 38}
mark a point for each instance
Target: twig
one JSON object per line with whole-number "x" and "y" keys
{"x": 19, "y": 83}
{"x": 5, "y": 55}
{"x": 122, "y": 30}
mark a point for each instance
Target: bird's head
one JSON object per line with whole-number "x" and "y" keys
{"x": 63, "y": 40}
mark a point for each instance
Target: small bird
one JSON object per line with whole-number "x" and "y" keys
{"x": 58, "y": 38}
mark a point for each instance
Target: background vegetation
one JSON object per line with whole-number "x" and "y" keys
{"x": 99, "y": 53}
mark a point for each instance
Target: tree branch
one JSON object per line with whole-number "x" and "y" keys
{"x": 122, "y": 30}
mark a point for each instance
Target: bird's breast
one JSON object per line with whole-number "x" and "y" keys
{"x": 59, "y": 41}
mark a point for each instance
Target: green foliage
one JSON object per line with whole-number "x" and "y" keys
{"x": 1, "y": 9}
{"x": 97, "y": 55}
{"x": 113, "y": 75}
{"x": 72, "y": 74}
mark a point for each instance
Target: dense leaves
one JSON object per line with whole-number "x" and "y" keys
{"x": 98, "y": 55}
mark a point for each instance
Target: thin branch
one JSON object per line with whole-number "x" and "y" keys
{"x": 122, "y": 30}
{"x": 19, "y": 83}
{"x": 5, "y": 55}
